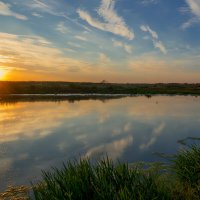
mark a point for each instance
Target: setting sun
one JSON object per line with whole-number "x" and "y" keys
{"x": 2, "y": 74}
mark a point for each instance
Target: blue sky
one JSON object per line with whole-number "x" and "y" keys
{"x": 93, "y": 40}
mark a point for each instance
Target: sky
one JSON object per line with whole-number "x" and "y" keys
{"x": 125, "y": 41}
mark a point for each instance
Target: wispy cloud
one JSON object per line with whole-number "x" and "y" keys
{"x": 37, "y": 15}
{"x": 5, "y": 10}
{"x": 62, "y": 28}
{"x": 189, "y": 23}
{"x": 16, "y": 50}
{"x": 43, "y": 7}
{"x": 193, "y": 8}
{"x": 73, "y": 44}
{"x": 184, "y": 10}
{"x": 155, "y": 39}
{"x": 54, "y": 64}
{"x": 40, "y": 5}
{"x": 148, "y": 29}
{"x": 166, "y": 69}
{"x": 147, "y": 2}
{"x": 126, "y": 47}
{"x": 160, "y": 46}
{"x": 79, "y": 37}
{"x": 147, "y": 63}
{"x": 70, "y": 50}
{"x": 103, "y": 58}
{"x": 112, "y": 21}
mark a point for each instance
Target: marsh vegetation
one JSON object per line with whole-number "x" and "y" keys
{"x": 178, "y": 178}
{"x": 7, "y": 87}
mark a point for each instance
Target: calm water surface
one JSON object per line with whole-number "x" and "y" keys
{"x": 38, "y": 135}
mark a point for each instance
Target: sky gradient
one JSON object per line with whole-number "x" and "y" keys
{"x": 143, "y": 41}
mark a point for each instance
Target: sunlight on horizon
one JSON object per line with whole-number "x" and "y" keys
{"x": 2, "y": 74}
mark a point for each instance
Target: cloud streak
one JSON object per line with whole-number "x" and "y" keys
{"x": 126, "y": 47}
{"x": 5, "y": 10}
{"x": 155, "y": 39}
{"x": 79, "y": 37}
{"x": 104, "y": 59}
{"x": 160, "y": 46}
{"x": 147, "y": 2}
{"x": 15, "y": 51}
{"x": 194, "y": 6}
{"x": 193, "y": 9}
{"x": 112, "y": 22}
{"x": 148, "y": 29}
{"x": 62, "y": 28}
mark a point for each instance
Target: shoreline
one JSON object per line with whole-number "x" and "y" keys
{"x": 15, "y": 98}
{"x": 95, "y": 89}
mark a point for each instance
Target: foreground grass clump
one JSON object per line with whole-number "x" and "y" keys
{"x": 186, "y": 165}
{"x": 101, "y": 181}
{"x": 105, "y": 180}
{"x": 185, "y": 169}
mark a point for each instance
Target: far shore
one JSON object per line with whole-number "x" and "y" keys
{"x": 103, "y": 89}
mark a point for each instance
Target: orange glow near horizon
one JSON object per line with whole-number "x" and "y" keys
{"x": 2, "y": 74}
{"x": 22, "y": 58}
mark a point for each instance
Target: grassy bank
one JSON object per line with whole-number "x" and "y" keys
{"x": 98, "y": 88}
{"x": 105, "y": 180}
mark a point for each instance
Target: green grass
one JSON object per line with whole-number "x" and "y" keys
{"x": 103, "y": 181}
{"x": 106, "y": 180}
{"x": 178, "y": 179}
{"x": 186, "y": 166}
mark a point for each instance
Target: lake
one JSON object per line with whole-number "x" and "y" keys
{"x": 35, "y": 136}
